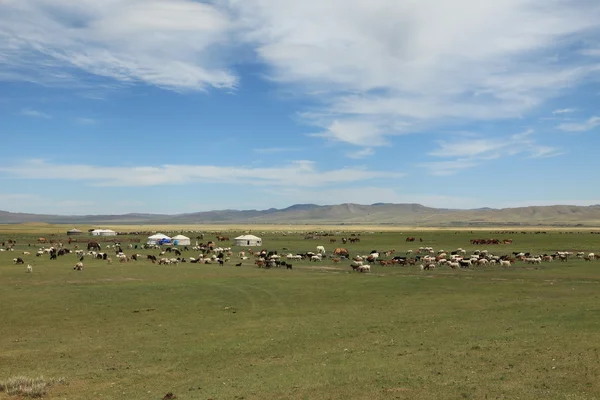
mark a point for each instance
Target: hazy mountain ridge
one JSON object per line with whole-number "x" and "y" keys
{"x": 347, "y": 213}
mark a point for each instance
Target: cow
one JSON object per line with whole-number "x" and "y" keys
{"x": 340, "y": 251}
{"x": 93, "y": 246}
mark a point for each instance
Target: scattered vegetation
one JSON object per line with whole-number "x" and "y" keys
{"x": 29, "y": 387}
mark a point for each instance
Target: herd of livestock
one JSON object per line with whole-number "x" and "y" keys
{"x": 426, "y": 258}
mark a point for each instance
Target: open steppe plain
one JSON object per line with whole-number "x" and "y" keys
{"x": 139, "y": 330}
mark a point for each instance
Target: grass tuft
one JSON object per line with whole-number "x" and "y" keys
{"x": 29, "y": 387}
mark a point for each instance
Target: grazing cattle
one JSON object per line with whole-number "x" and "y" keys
{"x": 18, "y": 260}
{"x": 340, "y": 251}
{"x": 93, "y": 246}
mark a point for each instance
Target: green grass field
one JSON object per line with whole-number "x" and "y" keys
{"x": 320, "y": 331}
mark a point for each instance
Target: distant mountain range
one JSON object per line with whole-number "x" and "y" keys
{"x": 348, "y": 214}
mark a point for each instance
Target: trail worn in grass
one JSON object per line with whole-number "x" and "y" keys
{"x": 140, "y": 330}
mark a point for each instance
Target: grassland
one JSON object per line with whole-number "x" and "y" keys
{"x": 320, "y": 331}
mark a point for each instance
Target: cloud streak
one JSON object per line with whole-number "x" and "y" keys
{"x": 27, "y": 112}
{"x": 299, "y": 173}
{"x": 472, "y": 152}
{"x": 583, "y": 126}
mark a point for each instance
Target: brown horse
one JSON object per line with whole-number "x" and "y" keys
{"x": 340, "y": 251}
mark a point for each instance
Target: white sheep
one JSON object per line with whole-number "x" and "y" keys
{"x": 29, "y": 268}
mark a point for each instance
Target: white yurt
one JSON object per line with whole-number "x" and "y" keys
{"x": 181, "y": 240}
{"x": 103, "y": 232}
{"x": 248, "y": 240}
{"x": 158, "y": 238}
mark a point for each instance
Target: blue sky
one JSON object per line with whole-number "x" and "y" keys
{"x": 172, "y": 106}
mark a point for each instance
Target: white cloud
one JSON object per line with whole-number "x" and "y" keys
{"x": 545, "y": 152}
{"x": 364, "y": 153}
{"x": 593, "y": 52}
{"x": 301, "y": 173}
{"x": 472, "y": 152}
{"x": 34, "y": 113}
{"x": 382, "y": 68}
{"x": 273, "y": 150}
{"x": 85, "y": 121}
{"x": 356, "y": 132}
{"x": 563, "y": 111}
{"x": 168, "y": 43}
{"x": 447, "y": 168}
{"x": 584, "y": 126}
{"x": 375, "y": 69}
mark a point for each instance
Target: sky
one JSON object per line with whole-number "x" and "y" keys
{"x": 176, "y": 106}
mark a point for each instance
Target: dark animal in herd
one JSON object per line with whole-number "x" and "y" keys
{"x": 491, "y": 241}
{"x": 93, "y": 246}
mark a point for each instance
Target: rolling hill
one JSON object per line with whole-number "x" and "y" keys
{"x": 350, "y": 214}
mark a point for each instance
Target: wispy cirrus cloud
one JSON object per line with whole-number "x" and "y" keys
{"x": 172, "y": 44}
{"x": 372, "y": 71}
{"x": 472, "y": 152}
{"x": 28, "y": 112}
{"x": 364, "y": 153}
{"x": 563, "y": 111}
{"x": 387, "y": 68}
{"x": 582, "y": 126}
{"x": 85, "y": 121}
{"x": 300, "y": 173}
{"x": 273, "y": 150}
{"x": 447, "y": 168}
